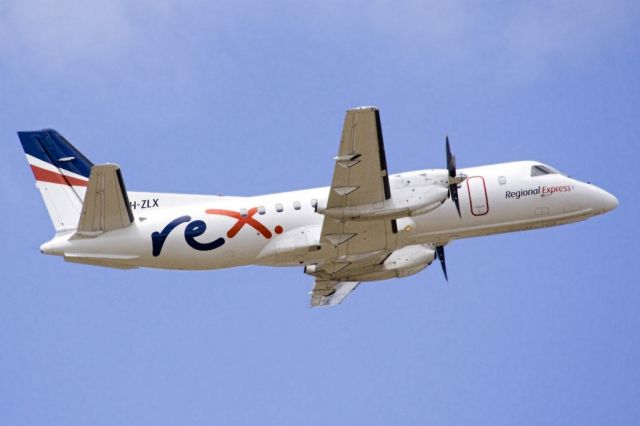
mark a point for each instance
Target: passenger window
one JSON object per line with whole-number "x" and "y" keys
{"x": 314, "y": 203}
{"x": 243, "y": 212}
{"x": 279, "y": 208}
{"x": 296, "y": 205}
{"x": 261, "y": 210}
{"x": 502, "y": 180}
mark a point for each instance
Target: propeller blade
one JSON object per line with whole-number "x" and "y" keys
{"x": 451, "y": 160}
{"x": 451, "y": 166}
{"x": 453, "y": 189}
{"x": 440, "y": 255}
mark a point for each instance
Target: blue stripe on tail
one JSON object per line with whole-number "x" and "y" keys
{"x": 51, "y": 147}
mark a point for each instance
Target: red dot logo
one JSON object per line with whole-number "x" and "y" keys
{"x": 278, "y": 229}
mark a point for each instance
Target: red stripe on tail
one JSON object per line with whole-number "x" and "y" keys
{"x": 43, "y": 175}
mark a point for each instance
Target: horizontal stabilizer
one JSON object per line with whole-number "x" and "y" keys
{"x": 109, "y": 261}
{"x": 106, "y": 205}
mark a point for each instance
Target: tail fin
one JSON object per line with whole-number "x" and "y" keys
{"x": 61, "y": 173}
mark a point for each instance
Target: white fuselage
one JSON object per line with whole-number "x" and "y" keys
{"x": 174, "y": 231}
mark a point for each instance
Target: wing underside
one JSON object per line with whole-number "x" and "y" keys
{"x": 360, "y": 177}
{"x": 330, "y": 293}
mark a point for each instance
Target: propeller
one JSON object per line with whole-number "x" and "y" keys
{"x": 440, "y": 255}
{"x": 454, "y": 179}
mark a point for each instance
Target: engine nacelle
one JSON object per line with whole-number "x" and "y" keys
{"x": 403, "y": 202}
{"x": 401, "y": 263}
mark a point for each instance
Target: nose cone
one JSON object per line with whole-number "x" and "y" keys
{"x": 609, "y": 202}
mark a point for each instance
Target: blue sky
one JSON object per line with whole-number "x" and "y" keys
{"x": 238, "y": 98}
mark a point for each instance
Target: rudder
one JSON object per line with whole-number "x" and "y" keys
{"x": 61, "y": 173}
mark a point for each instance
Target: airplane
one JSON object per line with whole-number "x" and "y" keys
{"x": 369, "y": 225}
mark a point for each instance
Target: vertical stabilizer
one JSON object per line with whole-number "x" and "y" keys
{"x": 61, "y": 173}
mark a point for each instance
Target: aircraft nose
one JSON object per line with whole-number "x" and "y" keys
{"x": 609, "y": 202}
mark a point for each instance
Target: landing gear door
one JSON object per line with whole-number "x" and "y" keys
{"x": 478, "y": 199}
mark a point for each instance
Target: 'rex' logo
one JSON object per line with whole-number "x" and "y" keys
{"x": 198, "y": 227}
{"x": 241, "y": 221}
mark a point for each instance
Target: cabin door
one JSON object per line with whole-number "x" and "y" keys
{"x": 478, "y": 198}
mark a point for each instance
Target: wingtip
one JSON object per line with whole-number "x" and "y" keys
{"x": 357, "y": 108}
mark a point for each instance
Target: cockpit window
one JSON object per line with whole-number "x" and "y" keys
{"x": 539, "y": 170}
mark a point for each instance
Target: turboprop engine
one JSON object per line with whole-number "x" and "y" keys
{"x": 403, "y": 262}
{"x": 406, "y": 201}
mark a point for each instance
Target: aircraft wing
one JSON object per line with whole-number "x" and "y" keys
{"x": 360, "y": 177}
{"x": 330, "y": 293}
{"x": 360, "y": 174}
